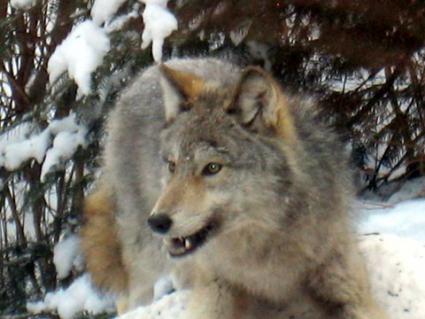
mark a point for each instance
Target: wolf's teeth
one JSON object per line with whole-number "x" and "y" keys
{"x": 187, "y": 244}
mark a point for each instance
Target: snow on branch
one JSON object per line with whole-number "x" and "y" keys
{"x": 103, "y": 10}
{"x": 23, "y": 4}
{"x": 18, "y": 147}
{"x": 80, "y": 54}
{"x": 159, "y": 24}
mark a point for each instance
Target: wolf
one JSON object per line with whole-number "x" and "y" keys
{"x": 215, "y": 174}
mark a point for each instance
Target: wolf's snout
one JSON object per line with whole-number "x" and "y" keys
{"x": 160, "y": 223}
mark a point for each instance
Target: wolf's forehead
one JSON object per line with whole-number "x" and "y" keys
{"x": 198, "y": 141}
{"x": 201, "y": 147}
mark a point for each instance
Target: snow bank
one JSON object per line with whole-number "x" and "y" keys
{"x": 159, "y": 24}
{"x": 80, "y": 54}
{"x": 396, "y": 266}
{"x": 80, "y": 296}
{"x": 406, "y": 219}
{"x": 410, "y": 189}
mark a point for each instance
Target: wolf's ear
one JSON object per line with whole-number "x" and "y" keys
{"x": 179, "y": 89}
{"x": 259, "y": 103}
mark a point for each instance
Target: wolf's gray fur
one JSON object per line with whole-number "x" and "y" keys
{"x": 279, "y": 241}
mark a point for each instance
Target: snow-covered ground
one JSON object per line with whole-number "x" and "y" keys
{"x": 391, "y": 237}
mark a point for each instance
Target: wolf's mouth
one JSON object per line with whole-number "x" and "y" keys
{"x": 182, "y": 246}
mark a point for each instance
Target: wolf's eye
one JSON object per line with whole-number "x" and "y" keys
{"x": 171, "y": 167}
{"x": 211, "y": 169}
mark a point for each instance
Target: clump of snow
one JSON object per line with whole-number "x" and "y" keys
{"x": 68, "y": 123}
{"x": 80, "y": 296}
{"x": 80, "y": 54}
{"x": 103, "y": 10}
{"x": 17, "y": 153}
{"x": 65, "y": 145}
{"x": 23, "y": 4}
{"x": 159, "y": 24}
{"x": 66, "y": 255}
{"x": 67, "y": 135}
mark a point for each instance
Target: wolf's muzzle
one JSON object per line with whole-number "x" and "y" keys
{"x": 160, "y": 223}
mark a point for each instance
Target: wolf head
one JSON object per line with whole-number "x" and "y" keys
{"x": 226, "y": 155}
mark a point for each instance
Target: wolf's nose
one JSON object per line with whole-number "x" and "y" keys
{"x": 160, "y": 223}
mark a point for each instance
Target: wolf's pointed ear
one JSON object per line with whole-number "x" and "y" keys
{"x": 179, "y": 89}
{"x": 259, "y": 104}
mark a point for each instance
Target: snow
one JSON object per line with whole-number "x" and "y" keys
{"x": 66, "y": 255}
{"x": 16, "y": 147}
{"x": 410, "y": 189}
{"x": 79, "y": 296}
{"x": 103, "y": 10}
{"x": 85, "y": 47}
{"x": 23, "y": 4}
{"x": 171, "y": 306}
{"x": 406, "y": 219}
{"x": 159, "y": 21}
{"x": 17, "y": 153}
{"x": 80, "y": 54}
{"x": 159, "y": 24}
{"x": 65, "y": 145}
{"x": 64, "y": 124}
{"x": 396, "y": 266}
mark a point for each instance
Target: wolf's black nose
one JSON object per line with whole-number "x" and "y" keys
{"x": 160, "y": 223}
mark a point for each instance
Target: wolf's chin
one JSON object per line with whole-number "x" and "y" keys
{"x": 185, "y": 245}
